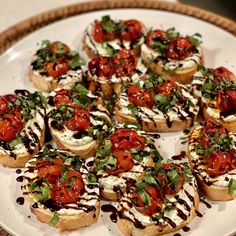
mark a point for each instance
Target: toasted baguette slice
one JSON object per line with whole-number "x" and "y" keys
{"x": 105, "y": 48}
{"x": 114, "y": 182}
{"x": 134, "y": 220}
{"x": 82, "y": 132}
{"x": 22, "y": 129}
{"x": 214, "y": 187}
{"x": 217, "y": 104}
{"x": 73, "y": 211}
{"x": 54, "y": 66}
{"x": 153, "y": 116}
{"x": 176, "y": 58}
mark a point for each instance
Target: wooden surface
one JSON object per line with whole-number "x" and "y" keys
{"x": 17, "y": 32}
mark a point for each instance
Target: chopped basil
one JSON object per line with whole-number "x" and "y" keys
{"x": 135, "y": 125}
{"x": 74, "y": 60}
{"x": 172, "y": 34}
{"x": 145, "y": 197}
{"x": 45, "y": 192}
{"x": 64, "y": 177}
{"x": 174, "y": 177}
{"x": 81, "y": 89}
{"x": 15, "y": 142}
{"x": 195, "y": 39}
{"x": 105, "y": 149}
{"x": 232, "y": 186}
{"x": 108, "y": 24}
{"x": 92, "y": 178}
{"x": 68, "y": 161}
{"x": 55, "y": 218}
{"x": 188, "y": 174}
{"x": 107, "y": 163}
{"x": 133, "y": 109}
{"x": 150, "y": 180}
{"x": 71, "y": 182}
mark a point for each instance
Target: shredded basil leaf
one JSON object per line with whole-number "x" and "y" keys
{"x": 232, "y": 186}
{"x": 55, "y": 218}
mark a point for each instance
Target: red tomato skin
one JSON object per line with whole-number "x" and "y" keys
{"x": 179, "y": 49}
{"x": 156, "y": 35}
{"x": 226, "y": 100}
{"x": 4, "y": 102}
{"x": 100, "y": 35}
{"x": 221, "y": 72}
{"x": 57, "y": 68}
{"x": 140, "y": 98}
{"x": 62, "y": 98}
{"x": 167, "y": 88}
{"x": 132, "y": 31}
{"x": 7, "y": 131}
{"x": 79, "y": 121}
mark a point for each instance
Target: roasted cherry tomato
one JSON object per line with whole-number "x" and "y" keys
{"x": 59, "y": 48}
{"x": 222, "y": 72}
{"x": 156, "y": 36}
{"x": 210, "y": 128}
{"x": 101, "y": 67}
{"x": 124, "y": 139}
{"x": 233, "y": 158}
{"x": 140, "y": 98}
{"x": 167, "y": 88}
{"x": 101, "y": 35}
{"x": 125, "y": 62}
{"x": 79, "y": 121}
{"x": 169, "y": 188}
{"x": 70, "y": 190}
{"x": 7, "y": 131}
{"x": 125, "y": 162}
{"x": 15, "y": 120}
{"x": 57, "y": 68}
{"x": 132, "y": 30}
{"x": 180, "y": 48}
{"x": 218, "y": 163}
{"x": 226, "y": 100}
{"x": 62, "y": 98}
{"x": 155, "y": 202}
{"x": 4, "y": 102}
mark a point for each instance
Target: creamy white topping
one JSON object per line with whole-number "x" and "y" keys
{"x": 89, "y": 198}
{"x": 200, "y": 164}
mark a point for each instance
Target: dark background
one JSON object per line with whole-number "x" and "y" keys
{"x": 226, "y": 8}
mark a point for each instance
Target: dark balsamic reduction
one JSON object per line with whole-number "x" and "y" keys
{"x": 186, "y": 131}
{"x": 179, "y": 157}
{"x": 170, "y": 222}
{"x": 156, "y": 136}
{"x": 181, "y": 214}
{"x": 48, "y": 136}
{"x": 199, "y": 214}
{"x": 18, "y": 171}
{"x": 177, "y": 234}
{"x": 186, "y": 229}
{"x": 56, "y": 126}
{"x": 108, "y": 208}
{"x": 20, "y": 200}
{"x": 20, "y": 178}
{"x": 208, "y": 205}
{"x": 90, "y": 163}
{"x": 80, "y": 134}
{"x": 35, "y": 205}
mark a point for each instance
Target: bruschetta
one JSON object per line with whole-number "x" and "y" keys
{"x": 158, "y": 105}
{"x": 163, "y": 201}
{"x": 109, "y": 74}
{"x": 22, "y": 127}
{"x": 170, "y": 54}
{"x": 217, "y": 90}
{"x": 121, "y": 160}
{"x": 106, "y": 36}
{"x": 60, "y": 189}
{"x": 212, "y": 154}
{"x": 54, "y": 66}
{"x": 77, "y": 120}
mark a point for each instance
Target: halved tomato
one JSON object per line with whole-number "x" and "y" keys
{"x": 156, "y": 36}
{"x": 226, "y": 101}
{"x": 222, "y": 72}
{"x": 62, "y": 98}
{"x": 167, "y": 88}
{"x": 100, "y": 35}
{"x": 57, "y": 68}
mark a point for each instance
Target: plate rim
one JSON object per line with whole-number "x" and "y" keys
{"x": 18, "y": 31}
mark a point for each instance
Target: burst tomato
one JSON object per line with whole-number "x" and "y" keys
{"x": 218, "y": 163}
{"x": 7, "y": 131}
{"x": 226, "y": 101}
{"x": 180, "y": 48}
{"x": 210, "y": 128}
{"x": 70, "y": 190}
{"x": 140, "y": 98}
{"x": 125, "y": 162}
{"x": 62, "y": 98}
{"x": 79, "y": 121}
{"x": 57, "y": 68}
{"x": 101, "y": 35}
{"x": 156, "y": 36}
{"x": 125, "y": 62}
{"x": 4, "y": 102}
{"x": 169, "y": 188}
{"x": 101, "y": 67}
{"x": 222, "y": 72}
{"x": 124, "y": 139}
{"x": 132, "y": 30}
{"x": 155, "y": 205}
{"x": 167, "y": 88}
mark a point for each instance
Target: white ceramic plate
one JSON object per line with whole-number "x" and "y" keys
{"x": 219, "y": 49}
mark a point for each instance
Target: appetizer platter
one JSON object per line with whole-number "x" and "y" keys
{"x": 99, "y": 89}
